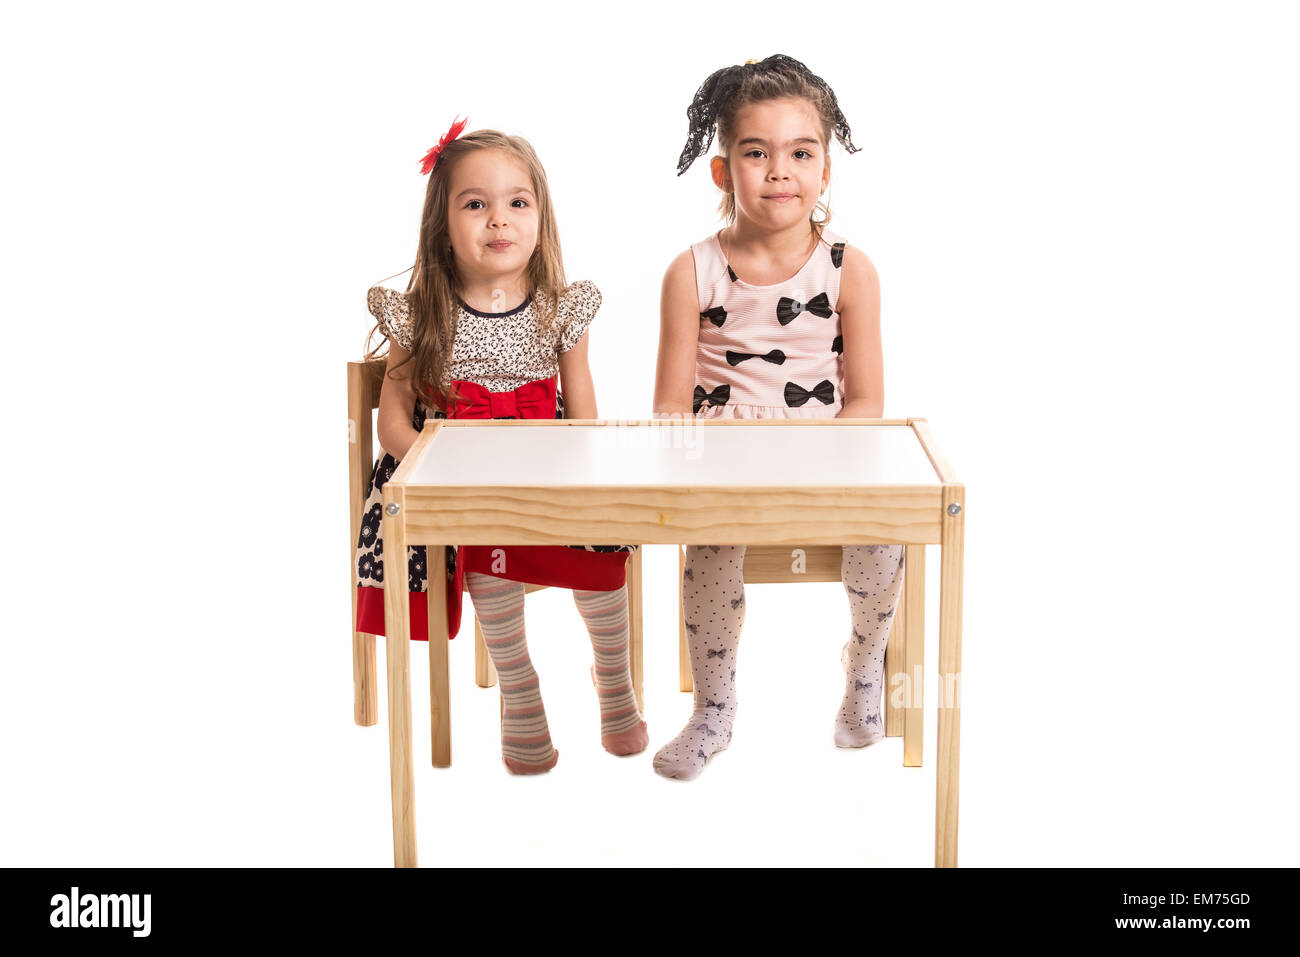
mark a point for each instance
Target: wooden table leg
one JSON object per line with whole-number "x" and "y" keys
{"x": 397, "y": 601}
{"x": 895, "y": 665}
{"x": 439, "y": 681}
{"x": 914, "y": 656}
{"x": 949, "y": 692}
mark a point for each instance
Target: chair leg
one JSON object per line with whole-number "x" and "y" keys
{"x": 485, "y": 673}
{"x": 636, "y": 652}
{"x": 365, "y": 688}
{"x": 683, "y": 653}
{"x": 439, "y": 690}
{"x": 914, "y": 655}
{"x": 895, "y": 659}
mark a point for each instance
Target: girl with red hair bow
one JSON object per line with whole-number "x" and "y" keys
{"x": 486, "y": 327}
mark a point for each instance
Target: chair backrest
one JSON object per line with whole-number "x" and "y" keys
{"x": 364, "y": 382}
{"x": 786, "y": 563}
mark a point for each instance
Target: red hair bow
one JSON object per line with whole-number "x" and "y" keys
{"x": 431, "y": 157}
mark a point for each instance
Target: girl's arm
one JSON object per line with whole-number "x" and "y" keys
{"x": 576, "y": 386}
{"x": 679, "y": 336}
{"x": 396, "y": 405}
{"x": 864, "y": 373}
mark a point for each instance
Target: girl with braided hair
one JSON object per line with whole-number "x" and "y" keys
{"x": 772, "y": 316}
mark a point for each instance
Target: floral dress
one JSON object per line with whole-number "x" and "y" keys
{"x": 510, "y": 365}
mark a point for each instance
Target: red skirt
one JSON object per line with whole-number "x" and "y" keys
{"x": 555, "y": 565}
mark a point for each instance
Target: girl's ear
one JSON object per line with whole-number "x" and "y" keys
{"x": 826, "y": 176}
{"x": 721, "y": 178}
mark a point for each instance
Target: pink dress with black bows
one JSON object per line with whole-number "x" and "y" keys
{"x": 769, "y": 351}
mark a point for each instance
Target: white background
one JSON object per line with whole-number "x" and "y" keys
{"x": 1084, "y": 217}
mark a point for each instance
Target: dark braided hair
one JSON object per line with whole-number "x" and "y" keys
{"x": 777, "y": 77}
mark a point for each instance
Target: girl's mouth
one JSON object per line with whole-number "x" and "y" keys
{"x": 500, "y": 244}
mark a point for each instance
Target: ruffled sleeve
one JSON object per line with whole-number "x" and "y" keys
{"x": 393, "y": 312}
{"x": 577, "y": 309}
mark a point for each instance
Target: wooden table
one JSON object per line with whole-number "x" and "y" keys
{"x": 702, "y": 482}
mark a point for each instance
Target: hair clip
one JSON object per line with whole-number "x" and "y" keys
{"x": 431, "y": 158}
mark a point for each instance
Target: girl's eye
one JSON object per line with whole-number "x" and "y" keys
{"x": 522, "y": 203}
{"x": 474, "y": 204}
{"x": 803, "y": 154}
{"x": 755, "y": 153}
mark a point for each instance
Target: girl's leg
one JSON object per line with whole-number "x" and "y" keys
{"x": 873, "y": 579}
{"x": 525, "y": 738}
{"x": 713, "y": 599}
{"x": 621, "y": 729}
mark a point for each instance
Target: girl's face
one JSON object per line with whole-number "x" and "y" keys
{"x": 776, "y": 163}
{"x": 491, "y": 215}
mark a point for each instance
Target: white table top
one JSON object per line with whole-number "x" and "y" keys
{"x": 675, "y": 455}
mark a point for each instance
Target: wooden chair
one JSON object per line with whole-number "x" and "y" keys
{"x": 364, "y": 382}
{"x": 821, "y": 563}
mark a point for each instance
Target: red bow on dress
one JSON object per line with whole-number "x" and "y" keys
{"x": 535, "y": 400}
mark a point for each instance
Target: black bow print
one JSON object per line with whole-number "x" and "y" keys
{"x": 718, "y": 396}
{"x": 788, "y": 309}
{"x": 862, "y": 639}
{"x": 776, "y": 357}
{"x": 714, "y": 704}
{"x": 853, "y": 591}
{"x": 692, "y": 628}
{"x": 718, "y": 654}
{"x": 717, "y": 315}
{"x": 733, "y": 674}
{"x": 707, "y": 730}
{"x": 882, "y": 615}
{"x": 837, "y": 345}
{"x": 731, "y": 272}
{"x": 737, "y": 602}
{"x": 701, "y": 754}
{"x": 796, "y": 395}
{"x": 873, "y": 719}
{"x": 689, "y": 574}
{"x": 859, "y": 686}
{"x": 837, "y": 255}
{"x": 714, "y": 548}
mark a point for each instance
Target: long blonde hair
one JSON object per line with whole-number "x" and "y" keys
{"x": 431, "y": 292}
